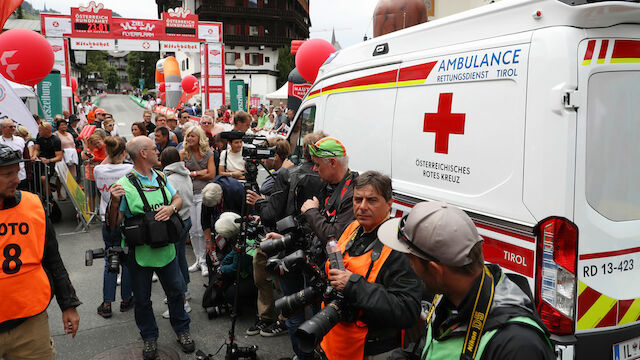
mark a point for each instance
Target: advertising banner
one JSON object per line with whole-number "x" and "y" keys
{"x": 60, "y": 63}
{"x": 173, "y": 46}
{"x": 91, "y": 21}
{"x": 238, "y": 95}
{"x": 93, "y": 44}
{"x": 210, "y": 32}
{"x": 55, "y": 25}
{"x": 138, "y": 45}
{"x": 180, "y": 25}
{"x": 11, "y": 106}
{"x": 137, "y": 29}
{"x": 50, "y": 94}
{"x": 74, "y": 191}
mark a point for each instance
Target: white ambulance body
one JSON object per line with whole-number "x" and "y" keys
{"x": 527, "y": 115}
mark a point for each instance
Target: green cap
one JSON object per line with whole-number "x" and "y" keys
{"x": 328, "y": 147}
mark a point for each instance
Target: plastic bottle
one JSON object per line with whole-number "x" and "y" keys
{"x": 334, "y": 254}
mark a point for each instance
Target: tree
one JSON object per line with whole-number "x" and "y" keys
{"x": 286, "y": 63}
{"x": 111, "y": 77}
{"x": 137, "y": 60}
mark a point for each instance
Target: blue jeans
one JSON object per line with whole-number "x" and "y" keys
{"x": 109, "y": 280}
{"x": 174, "y": 287}
{"x": 180, "y": 251}
{"x": 289, "y": 284}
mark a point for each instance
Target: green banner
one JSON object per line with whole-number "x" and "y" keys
{"x": 50, "y": 94}
{"x": 237, "y": 95}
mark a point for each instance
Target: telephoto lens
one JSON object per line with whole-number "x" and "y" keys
{"x": 114, "y": 262}
{"x": 274, "y": 246}
{"x": 289, "y": 305}
{"x": 311, "y": 332}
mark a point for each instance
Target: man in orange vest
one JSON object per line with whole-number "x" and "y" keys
{"x": 29, "y": 256}
{"x": 378, "y": 283}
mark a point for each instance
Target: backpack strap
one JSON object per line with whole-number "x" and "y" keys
{"x": 136, "y": 184}
{"x": 162, "y": 183}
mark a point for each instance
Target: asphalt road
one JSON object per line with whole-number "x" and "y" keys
{"x": 97, "y": 335}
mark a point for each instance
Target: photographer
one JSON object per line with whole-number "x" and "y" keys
{"x": 378, "y": 284}
{"x": 330, "y": 215}
{"x": 224, "y": 194}
{"x": 146, "y": 255}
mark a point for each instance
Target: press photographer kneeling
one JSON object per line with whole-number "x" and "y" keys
{"x": 149, "y": 205}
{"x": 378, "y": 294}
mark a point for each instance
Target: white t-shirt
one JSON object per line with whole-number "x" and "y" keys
{"x": 235, "y": 162}
{"x": 106, "y": 175}
{"x": 16, "y": 143}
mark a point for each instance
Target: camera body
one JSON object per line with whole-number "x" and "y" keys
{"x": 113, "y": 256}
{"x": 296, "y": 237}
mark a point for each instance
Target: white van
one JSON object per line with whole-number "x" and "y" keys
{"x": 525, "y": 113}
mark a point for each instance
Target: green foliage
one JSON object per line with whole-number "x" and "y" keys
{"x": 111, "y": 77}
{"x": 96, "y": 62}
{"x": 286, "y": 63}
{"x": 137, "y": 60}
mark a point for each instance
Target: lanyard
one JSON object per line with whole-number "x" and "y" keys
{"x": 478, "y": 317}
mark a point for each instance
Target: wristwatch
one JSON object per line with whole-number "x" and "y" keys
{"x": 174, "y": 209}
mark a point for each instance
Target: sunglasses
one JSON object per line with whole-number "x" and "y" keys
{"x": 402, "y": 236}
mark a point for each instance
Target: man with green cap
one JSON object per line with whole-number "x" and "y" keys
{"x": 331, "y": 211}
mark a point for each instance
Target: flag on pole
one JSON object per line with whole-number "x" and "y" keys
{"x": 11, "y": 106}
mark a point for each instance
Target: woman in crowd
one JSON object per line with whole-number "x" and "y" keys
{"x": 179, "y": 178}
{"x": 108, "y": 126}
{"x": 198, "y": 158}
{"x": 108, "y": 172}
{"x": 94, "y": 153}
{"x": 138, "y": 129}
{"x": 69, "y": 153}
{"x": 27, "y": 153}
{"x": 231, "y": 161}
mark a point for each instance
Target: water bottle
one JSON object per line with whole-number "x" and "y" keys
{"x": 334, "y": 254}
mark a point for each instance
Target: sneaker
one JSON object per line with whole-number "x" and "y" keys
{"x": 119, "y": 280}
{"x": 187, "y": 309}
{"x": 154, "y": 278}
{"x": 275, "y": 329}
{"x": 186, "y": 342}
{"x": 104, "y": 310}
{"x": 205, "y": 272}
{"x": 126, "y": 305}
{"x": 257, "y": 327}
{"x": 150, "y": 349}
{"x": 195, "y": 267}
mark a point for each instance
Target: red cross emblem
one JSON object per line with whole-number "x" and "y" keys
{"x": 444, "y": 123}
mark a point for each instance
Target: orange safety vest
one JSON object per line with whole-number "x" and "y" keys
{"x": 26, "y": 290}
{"x": 346, "y": 340}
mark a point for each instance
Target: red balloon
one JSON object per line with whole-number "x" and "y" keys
{"x": 310, "y": 57}
{"x": 74, "y": 84}
{"x": 161, "y": 87}
{"x": 26, "y": 57}
{"x": 189, "y": 84}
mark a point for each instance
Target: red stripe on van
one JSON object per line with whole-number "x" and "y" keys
{"x": 603, "y": 49}
{"x": 314, "y": 92}
{"x": 403, "y": 203}
{"x": 626, "y": 49}
{"x": 623, "y": 306}
{"x": 509, "y": 256}
{"x": 610, "y": 319}
{"x": 590, "y": 47}
{"x": 416, "y": 72}
{"x": 609, "y": 253}
{"x": 381, "y": 78}
{"x": 504, "y": 232}
{"x": 586, "y": 300}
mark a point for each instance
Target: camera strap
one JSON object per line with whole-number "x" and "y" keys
{"x": 478, "y": 318}
{"x": 136, "y": 184}
{"x": 333, "y": 201}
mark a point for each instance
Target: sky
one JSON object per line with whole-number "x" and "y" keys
{"x": 351, "y": 19}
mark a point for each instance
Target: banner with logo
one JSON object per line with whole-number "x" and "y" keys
{"x": 55, "y": 25}
{"x": 137, "y": 29}
{"x": 74, "y": 191}
{"x": 50, "y": 94}
{"x": 93, "y": 44}
{"x": 238, "y": 97}
{"x": 92, "y": 20}
{"x": 180, "y": 25}
{"x": 138, "y": 45}
{"x": 210, "y": 32}
{"x": 11, "y": 106}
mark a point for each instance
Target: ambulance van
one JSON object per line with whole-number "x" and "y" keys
{"x": 526, "y": 114}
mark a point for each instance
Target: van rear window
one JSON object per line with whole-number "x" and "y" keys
{"x": 613, "y": 145}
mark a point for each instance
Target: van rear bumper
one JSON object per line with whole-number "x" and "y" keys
{"x": 599, "y": 345}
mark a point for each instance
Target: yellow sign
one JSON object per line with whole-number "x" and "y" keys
{"x": 74, "y": 191}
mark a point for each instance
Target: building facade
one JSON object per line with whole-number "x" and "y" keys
{"x": 253, "y": 31}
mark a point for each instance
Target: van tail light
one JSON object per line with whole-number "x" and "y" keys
{"x": 556, "y": 258}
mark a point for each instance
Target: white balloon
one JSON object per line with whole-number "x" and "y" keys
{"x": 159, "y": 66}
